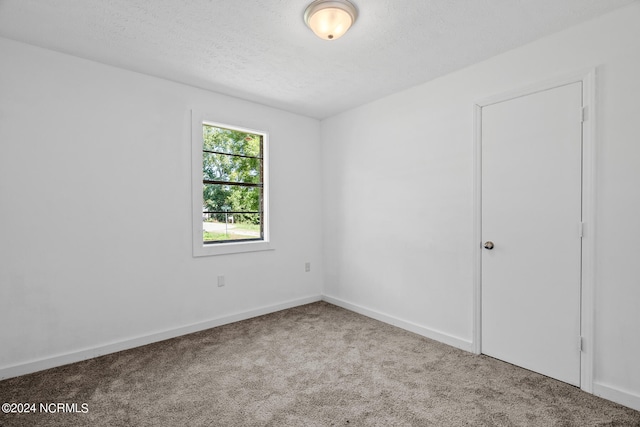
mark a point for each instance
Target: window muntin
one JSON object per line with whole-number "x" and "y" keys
{"x": 232, "y": 185}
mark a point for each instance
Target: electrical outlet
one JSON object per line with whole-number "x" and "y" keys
{"x": 307, "y": 267}
{"x": 221, "y": 282}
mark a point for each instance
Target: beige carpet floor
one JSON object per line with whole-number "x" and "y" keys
{"x": 314, "y": 365}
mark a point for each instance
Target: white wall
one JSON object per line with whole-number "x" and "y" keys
{"x": 95, "y": 249}
{"x": 398, "y": 194}
{"x": 95, "y": 211}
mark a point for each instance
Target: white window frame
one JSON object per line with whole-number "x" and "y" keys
{"x": 198, "y": 119}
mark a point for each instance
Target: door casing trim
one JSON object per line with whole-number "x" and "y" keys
{"x": 587, "y": 300}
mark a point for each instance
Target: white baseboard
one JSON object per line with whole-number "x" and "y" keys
{"x": 403, "y": 324}
{"x": 88, "y": 353}
{"x": 622, "y": 397}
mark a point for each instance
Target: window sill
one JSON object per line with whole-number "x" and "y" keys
{"x": 200, "y": 249}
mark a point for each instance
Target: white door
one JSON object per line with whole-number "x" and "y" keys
{"x": 531, "y": 212}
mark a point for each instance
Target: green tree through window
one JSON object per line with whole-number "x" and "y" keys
{"x": 232, "y": 178}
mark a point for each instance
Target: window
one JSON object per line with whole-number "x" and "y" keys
{"x": 232, "y": 183}
{"x": 230, "y": 195}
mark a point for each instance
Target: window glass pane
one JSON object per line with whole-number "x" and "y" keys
{"x": 231, "y": 227}
{"x": 231, "y": 212}
{"x": 231, "y": 141}
{"x": 230, "y": 198}
{"x": 221, "y": 167}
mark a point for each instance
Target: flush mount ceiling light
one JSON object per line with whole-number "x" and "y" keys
{"x": 330, "y": 19}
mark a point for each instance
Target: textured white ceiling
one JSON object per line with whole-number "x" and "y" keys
{"x": 262, "y": 51}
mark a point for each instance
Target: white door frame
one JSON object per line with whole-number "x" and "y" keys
{"x": 588, "y": 79}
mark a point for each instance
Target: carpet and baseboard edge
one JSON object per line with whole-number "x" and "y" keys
{"x": 605, "y": 391}
{"x": 101, "y": 350}
{"x": 614, "y": 394}
{"x": 403, "y": 324}
{"x": 608, "y": 392}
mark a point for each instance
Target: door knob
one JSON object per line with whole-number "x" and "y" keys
{"x": 488, "y": 245}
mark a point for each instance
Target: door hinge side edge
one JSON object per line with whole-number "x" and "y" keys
{"x": 584, "y": 114}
